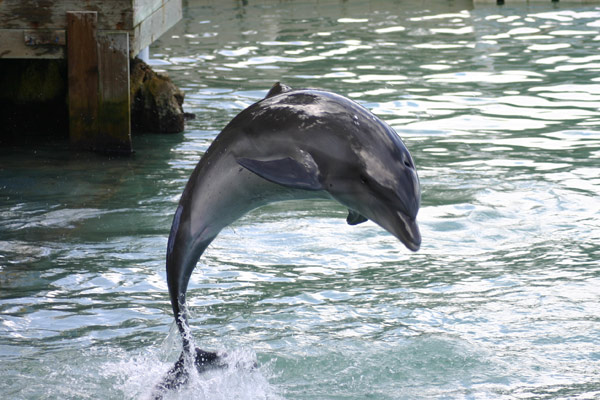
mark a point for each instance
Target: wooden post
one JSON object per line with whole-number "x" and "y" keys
{"x": 98, "y": 75}
{"x": 82, "y": 65}
{"x": 114, "y": 110}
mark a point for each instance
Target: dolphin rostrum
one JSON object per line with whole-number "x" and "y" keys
{"x": 293, "y": 144}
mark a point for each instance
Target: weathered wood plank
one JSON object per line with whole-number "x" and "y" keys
{"x": 114, "y": 111}
{"x": 82, "y": 64}
{"x": 16, "y": 43}
{"x": 509, "y": 2}
{"x": 44, "y": 37}
{"x": 142, "y": 9}
{"x": 38, "y": 14}
{"x": 155, "y": 25}
{"x": 145, "y": 20}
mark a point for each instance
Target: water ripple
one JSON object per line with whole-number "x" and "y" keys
{"x": 499, "y": 108}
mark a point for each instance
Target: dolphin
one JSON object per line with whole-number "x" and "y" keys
{"x": 293, "y": 144}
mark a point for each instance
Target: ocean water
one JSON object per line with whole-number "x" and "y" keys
{"x": 499, "y": 107}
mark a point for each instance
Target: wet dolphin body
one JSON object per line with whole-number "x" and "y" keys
{"x": 293, "y": 144}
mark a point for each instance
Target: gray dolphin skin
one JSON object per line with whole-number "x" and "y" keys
{"x": 293, "y": 144}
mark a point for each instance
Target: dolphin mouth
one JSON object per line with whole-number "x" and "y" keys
{"x": 409, "y": 233}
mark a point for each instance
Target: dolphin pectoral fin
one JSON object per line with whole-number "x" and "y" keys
{"x": 278, "y": 88}
{"x": 286, "y": 172}
{"x": 355, "y": 218}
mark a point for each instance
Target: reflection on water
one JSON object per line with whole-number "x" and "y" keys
{"x": 500, "y": 109}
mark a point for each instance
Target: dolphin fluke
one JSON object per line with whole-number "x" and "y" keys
{"x": 179, "y": 375}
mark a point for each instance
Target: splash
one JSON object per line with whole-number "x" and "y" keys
{"x": 241, "y": 378}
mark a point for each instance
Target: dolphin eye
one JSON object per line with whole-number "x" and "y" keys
{"x": 364, "y": 180}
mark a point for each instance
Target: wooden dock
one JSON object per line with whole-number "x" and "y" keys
{"x": 98, "y": 39}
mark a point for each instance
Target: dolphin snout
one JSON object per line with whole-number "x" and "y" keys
{"x": 409, "y": 233}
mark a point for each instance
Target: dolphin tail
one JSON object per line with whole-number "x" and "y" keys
{"x": 184, "y": 249}
{"x": 183, "y": 252}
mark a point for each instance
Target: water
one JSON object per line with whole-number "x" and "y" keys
{"x": 499, "y": 107}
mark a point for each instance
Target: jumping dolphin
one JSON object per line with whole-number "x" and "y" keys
{"x": 293, "y": 144}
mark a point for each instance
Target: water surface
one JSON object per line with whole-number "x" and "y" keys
{"x": 500, "y": 109}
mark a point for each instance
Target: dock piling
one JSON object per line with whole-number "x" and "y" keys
{"x": 98, "y": 73}
{"x": 114, "y": 111}
{"x": 98, "y": 41}
{"x": 82, "y": 66}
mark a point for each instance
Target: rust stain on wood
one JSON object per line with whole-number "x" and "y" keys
{"x": 37, "y": 12}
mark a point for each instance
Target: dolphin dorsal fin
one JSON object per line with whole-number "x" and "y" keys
{"x": 355, "y": 218}
{"x": 278, "y": 88}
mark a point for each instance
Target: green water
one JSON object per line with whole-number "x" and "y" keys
{"x": 500, "y": 109}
